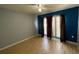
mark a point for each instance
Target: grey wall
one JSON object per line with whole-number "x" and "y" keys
{"x": 15, "y": 27}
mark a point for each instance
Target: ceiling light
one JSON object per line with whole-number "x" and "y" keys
{"x": 39, "y": 9}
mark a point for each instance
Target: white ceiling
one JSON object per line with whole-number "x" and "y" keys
{"x": 33, "y": 8}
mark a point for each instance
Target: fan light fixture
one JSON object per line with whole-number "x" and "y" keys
{"x": 39, "y": 8}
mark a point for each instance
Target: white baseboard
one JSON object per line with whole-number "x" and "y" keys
{"x": 75, "y": 43}
{"x": 17, "y": 42}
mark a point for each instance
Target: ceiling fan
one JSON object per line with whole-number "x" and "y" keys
{"x": 39, "y": 7}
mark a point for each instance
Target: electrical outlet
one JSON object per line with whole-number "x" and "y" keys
{"x": 72, "y": 36}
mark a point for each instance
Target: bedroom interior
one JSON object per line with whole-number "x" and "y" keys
{"x": 39, "y": 28}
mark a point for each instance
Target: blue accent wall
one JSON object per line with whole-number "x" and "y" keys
{"x": 71, "y": 22}
{"x": 40, "y": 25}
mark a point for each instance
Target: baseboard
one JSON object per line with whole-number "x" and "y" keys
{"x": 17, "y": 42}
{"x": 75, "y": 43}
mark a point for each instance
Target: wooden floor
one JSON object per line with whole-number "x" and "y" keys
{"x": 39, "y": 45}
